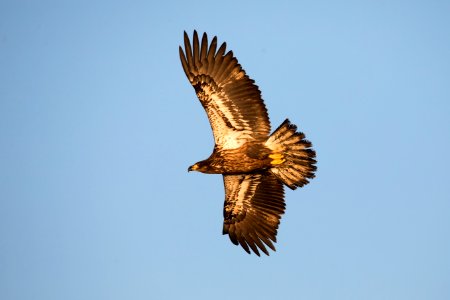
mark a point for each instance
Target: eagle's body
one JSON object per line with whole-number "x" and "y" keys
{"x": 249, "y": 157}
{"x": 255, "y": 164}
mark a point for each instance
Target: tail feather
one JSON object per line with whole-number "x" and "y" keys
{"x": 293, "y": 158}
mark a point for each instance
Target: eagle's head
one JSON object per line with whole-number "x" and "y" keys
{"x": 201, "y": 166}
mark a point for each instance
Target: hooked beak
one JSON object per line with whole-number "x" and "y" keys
{"x": 193, "y": 168}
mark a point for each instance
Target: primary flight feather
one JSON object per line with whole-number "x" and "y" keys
{"x": 255, "y": 164}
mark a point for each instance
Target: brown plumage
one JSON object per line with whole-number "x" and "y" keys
{"x": 254, "y": 164}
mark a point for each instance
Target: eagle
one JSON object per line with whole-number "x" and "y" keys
{"x": 254, "y": 163}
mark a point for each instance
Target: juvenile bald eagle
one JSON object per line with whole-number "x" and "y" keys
{"x": 255, "y": 164}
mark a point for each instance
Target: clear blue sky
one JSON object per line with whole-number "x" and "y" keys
{"x": 98, "y": 125}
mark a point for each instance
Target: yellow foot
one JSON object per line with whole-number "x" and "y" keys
{"x": 277, "y": 158}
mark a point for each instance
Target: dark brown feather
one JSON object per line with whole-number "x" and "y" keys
{"x": 231, "y": 100}
{"x": 253, "y": 207}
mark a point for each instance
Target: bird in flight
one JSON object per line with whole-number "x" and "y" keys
{"x": 254, "y": 163}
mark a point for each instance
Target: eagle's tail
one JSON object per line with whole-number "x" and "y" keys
{"x": 292, "y": 156}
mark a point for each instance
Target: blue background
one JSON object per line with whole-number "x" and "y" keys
{"x": 98, "y": 125}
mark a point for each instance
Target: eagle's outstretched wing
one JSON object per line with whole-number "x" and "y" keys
{"x": 232, "y": 101}
{"x": 253, "y": 207}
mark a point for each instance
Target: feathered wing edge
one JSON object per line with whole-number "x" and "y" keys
{"x": 230, "y": 98}
{"x": 253, "y": 207}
